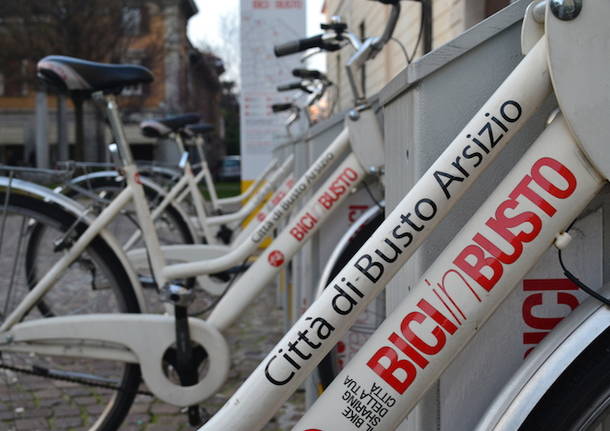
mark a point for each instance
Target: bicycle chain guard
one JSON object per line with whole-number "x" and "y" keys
{"x": 579, "y": 61}
{"x": 141, "y": 338}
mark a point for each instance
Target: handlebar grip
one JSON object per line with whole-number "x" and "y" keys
{"x": 292, "y": 86}
{"x": 298, "y": 45}
{"x": 307, "y": 74}
{"x": 280, "y": 107}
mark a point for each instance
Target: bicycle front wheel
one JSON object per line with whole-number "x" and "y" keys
{"x": 39, "y": 391}
{"x": 367, "y": 322}
{"x": 580, "y": 398}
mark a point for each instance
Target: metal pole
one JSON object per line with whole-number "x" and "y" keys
{"x": 427, "y": 24}
{"x": 63, "y": 149}
{"x": 42, "y": 143}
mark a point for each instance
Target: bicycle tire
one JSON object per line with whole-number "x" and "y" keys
{"x": 330, "y": 367}
{"x": 580, "y": 398}
{"x": 114, "y": 294}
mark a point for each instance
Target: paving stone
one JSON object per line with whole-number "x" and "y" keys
{"x": 66, "y": 411}
{"x": 31, "y": 424}
{"x": 51, "y": 402}
{"x": 78, "y": 391}
{"x": 164, "y": 409}
{"x": 95, "y": 409}
{"x": 139, "y": 419}
{"x": 158, "y": 427}
{"x": 48, "y": 393}
{"x": 5, "y": 415}
{"x": 250, "y": 339}
{"x": 40, "y": 413}
{"x": 67, "y": 422}
{"x": 85, "y": 401}
{"x": 140, "y": 408}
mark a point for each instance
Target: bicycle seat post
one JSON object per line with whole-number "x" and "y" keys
{"x": 184, "y": 154}
{"x": 199, "y": 143}
{"x": 118, "y": 133}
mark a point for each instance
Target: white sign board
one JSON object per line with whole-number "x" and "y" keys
{"x": 265, "y": 23}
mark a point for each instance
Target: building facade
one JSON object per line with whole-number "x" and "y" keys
{"x": 155, "y": 36}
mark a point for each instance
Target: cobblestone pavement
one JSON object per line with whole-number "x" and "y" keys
{"x": 35, "y": 402}
{"x": 43, "y": 405}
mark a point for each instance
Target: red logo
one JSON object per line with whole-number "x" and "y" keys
{"x": 276, "y": 258}
{"x": 137, "y": 178}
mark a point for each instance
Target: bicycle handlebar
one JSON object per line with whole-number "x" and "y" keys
{"x": 300, "y": 45}
{"x": 281, "y": 107}
{"x": 308, "y": 74}
{"x": 292, "y": 86}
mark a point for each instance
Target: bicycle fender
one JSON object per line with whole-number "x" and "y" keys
{"x": 545, "y": 364}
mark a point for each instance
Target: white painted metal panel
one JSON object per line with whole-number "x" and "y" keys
{"x": 263, "y": 24}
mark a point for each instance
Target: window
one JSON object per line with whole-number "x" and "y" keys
{"x": 24, "y": 82}
{"x": 477, "y": 10}
{"x": 134, "y": 56}
{"x": 14, "y": 82}
{"x": 133, "y": 90}
{"x": 493, "y": 6}
{"x": 132, "y": 21}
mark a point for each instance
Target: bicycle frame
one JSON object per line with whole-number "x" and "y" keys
{"x": 205, "y": 174}
{"x": 545, "y": 191}
{"x": 189, "y": 183}
{"x": 197, "y": 252}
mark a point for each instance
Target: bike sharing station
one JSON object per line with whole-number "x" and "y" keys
{"x": 427, "y": 169}
{"x": 414, "y": 105}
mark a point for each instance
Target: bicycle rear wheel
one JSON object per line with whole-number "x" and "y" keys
{"x": 580, "y": 398}
{"x": 55, "y": 392}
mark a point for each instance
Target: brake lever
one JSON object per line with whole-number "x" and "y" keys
{"x": 310, "y": 53}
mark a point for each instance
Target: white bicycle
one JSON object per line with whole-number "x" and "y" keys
{"x": 172, "y": 204}
{"x": 59, "y": 322}
{"x": 529, "y": 211}
{"x": 564, "y": 383}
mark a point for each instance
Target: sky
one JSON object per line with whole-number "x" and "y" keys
{"x": 206, "y": 25}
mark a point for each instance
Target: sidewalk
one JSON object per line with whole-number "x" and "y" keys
{"x": 43, "y": 404}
